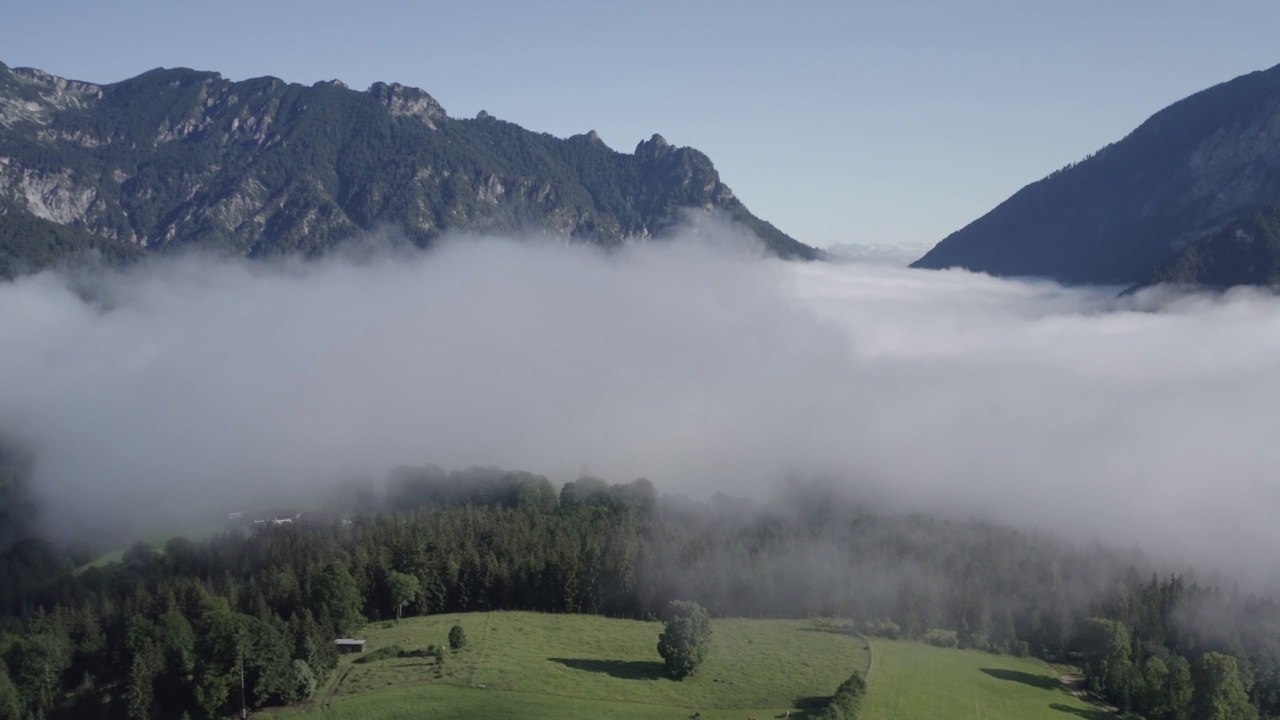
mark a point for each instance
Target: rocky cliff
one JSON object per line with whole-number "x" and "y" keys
{"x": 179, "y": 158}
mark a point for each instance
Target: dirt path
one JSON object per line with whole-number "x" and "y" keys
{"x": 1074, "y": 685}
{"x": 333, "y": 689}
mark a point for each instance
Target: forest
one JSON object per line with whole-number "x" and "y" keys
{"x": 185, "y": 629}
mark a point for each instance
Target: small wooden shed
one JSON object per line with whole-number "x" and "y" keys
{"x": 351, "y": 645}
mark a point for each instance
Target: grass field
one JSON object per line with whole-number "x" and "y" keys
{"x": 527, "y": 665}
{"x": 913, "y": 681}
{"x": 102, "y": 561}
{"x": 575, "y": 667}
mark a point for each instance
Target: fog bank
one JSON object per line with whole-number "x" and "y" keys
{"x": 701, "y": 368}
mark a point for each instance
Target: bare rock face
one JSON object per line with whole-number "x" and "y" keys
{"x": 404, "y": 101}
{"x": 174, "y": 158}
{"x": 34, "y": 96}
{"x": 55, "y": 197}
{"x": 1190, "y": 169}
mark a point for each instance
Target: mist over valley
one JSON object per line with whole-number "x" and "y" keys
{"x": 691, "y": 363}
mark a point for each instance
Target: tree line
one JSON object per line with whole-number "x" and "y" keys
{"x": 248, "y": 618}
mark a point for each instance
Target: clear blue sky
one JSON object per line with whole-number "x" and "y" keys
{"x": 838, "y": 121}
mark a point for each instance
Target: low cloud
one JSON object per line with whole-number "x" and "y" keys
{"x": 900, "y": 254}
{"x": 193, "y": 380}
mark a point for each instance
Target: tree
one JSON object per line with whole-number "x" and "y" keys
{"x": 1005, "y": 636}
{"x": 36, "y": 663}
{"x": 1155, "y": 684}
{"x": 338, "y": 594}
{"x": 964, "y": 635}
{"x": 403, "y": 589}
{"x": 1179, "y": 691}
{"x": 176, "y": 641}
{"x": 10, "y": 701}
{"x": 1219, "y": 691}
{"x": 268, "y": 663}
{"x": 982, "y": 628}
{"x": 140, "y": 557}
{"x": 684, "y": 641}
{"x": 304, "y": 681}
{"x": 221, "y": 642}
{"x": 1108, "y": 661}
{"x": 844, "y": 704}
{"x": 457, "y": 638}
{"x": 140, "y": 692}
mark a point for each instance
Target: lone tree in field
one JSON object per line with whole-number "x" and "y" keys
{"x": 457, "y": 638}
{"x": 683, "y": 643}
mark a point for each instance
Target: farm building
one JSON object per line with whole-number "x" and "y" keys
{"x": 350, "y": 645}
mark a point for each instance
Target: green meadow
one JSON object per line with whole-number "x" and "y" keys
{"x": 529, "y": 665}
{"x": 533, "y": 665}
{"x": 914, "y": 681}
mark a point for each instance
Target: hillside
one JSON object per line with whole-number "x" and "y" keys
{"x": 531, "y": 665}
{"x": 1245, "y": 251}
{"x": 915, "y": 681}
{"x": 29, "y": 243}
{"x": 1190, "y": 169}
{"x": 523, "y": 664}
{"x": 263, "y": 607}
{"x": 179, "y": 158}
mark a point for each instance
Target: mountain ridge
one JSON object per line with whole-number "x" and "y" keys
{"x": 174, "y": 158}
{"x": 1190, "y": 169}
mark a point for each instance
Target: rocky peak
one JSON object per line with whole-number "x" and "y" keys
{"x": 173, "y": 77}
{"x": 37, "y": 94}
{"x": 194, "y": 158}
{"x": 591, "y": 137}
{"x": 685, "y": 168}
{"x": 402, "y": 100}
{"x": 654, "y": 147}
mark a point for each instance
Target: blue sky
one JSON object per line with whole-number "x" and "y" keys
{"x": 872, "y": 122}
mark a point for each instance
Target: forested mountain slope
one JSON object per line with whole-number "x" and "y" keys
{"x": 1188, "y": 170}
{"x": 161, "y": 634}
{"x": 1244, "y": 252}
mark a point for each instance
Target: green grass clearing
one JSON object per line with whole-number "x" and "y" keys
{"x": 532, "y": 665}
{"x": 914, "y": 681}
{"x": 102, "y": 561}
{"x": 570, "y": 667}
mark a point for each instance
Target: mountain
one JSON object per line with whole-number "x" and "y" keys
{"x": 1191, "y": 169}
{"x": 179, "y": 158}
{"x": 1246, "y": 251}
